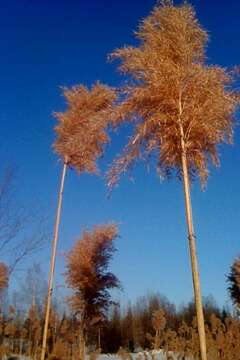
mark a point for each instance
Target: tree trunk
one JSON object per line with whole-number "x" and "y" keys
{"x": 81, "y": 345}
{"x": 193, "y": 253}
{"x": 99, "y": 338}
{"x": 53, "y": 259}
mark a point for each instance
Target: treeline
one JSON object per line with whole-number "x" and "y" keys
{"x": 152, "y": 322}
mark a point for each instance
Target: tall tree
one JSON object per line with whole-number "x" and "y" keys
{"x": 33, "y": 329}
{"x": 114, "y": 327}
{"x": 88, "y": 276}
{"x": 233, "y": 279}
{"x": 127, "y": 329}
{"x": 16, "y": 219}
{"x": 158, "y": 323}
{"x": 32, "y": 289}
{"x": 180, "y": 108}
{"x": 81, "y": 136}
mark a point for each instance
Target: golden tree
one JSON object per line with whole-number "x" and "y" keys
{"x": 159, "y": 323}
{"x": 158, "y": 320}
{"x": 88, "y": 276}
{"x": 180, "y": 108}
{"x": 81, "y": 136}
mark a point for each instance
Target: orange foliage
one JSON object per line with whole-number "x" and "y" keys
{"x": 173, "y": 96}
{"x": 4, "y": 276}
{"x": 87, "y": 273}
{"x": 222, "y": 339}
{"x": 60, "y": 351}
{"x": 158, "y": 320}
{"x": 81, "y": 132}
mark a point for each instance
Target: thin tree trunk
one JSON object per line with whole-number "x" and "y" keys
{"x": 81, "y": 345}
{"x": 99, "y": 338}
{"x": 193, "y": 252}
{"x": 53, "y": 259}
{"x": 156, "y": 337}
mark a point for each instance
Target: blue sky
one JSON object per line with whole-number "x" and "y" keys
{"x": 47, "y": 44}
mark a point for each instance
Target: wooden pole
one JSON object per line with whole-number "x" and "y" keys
{"x": 52, "y": 264}
{"x": 193, "y": 251}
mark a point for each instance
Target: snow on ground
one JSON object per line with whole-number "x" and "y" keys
{"x": 144, "y": 355}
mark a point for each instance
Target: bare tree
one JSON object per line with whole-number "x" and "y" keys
{"x": 81, "y": 136}
{"x": 180, "y": 108}
{"x": 23, "y": 230}
{"x": 32, "y": 289}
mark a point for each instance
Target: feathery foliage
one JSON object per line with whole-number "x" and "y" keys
{"x": 87, "y": 274}
{"x": 81, "y": 136}
{"x": 81, "y": 131}
{"x": 173, "y": 95}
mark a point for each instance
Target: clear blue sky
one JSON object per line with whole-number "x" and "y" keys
{"x": 46, "y": 44}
